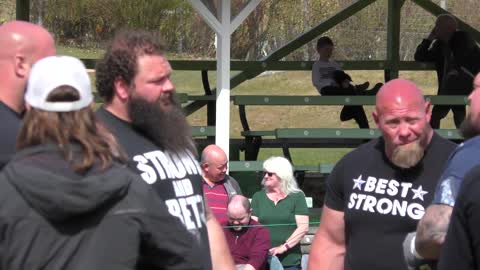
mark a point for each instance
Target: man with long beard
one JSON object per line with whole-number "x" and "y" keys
{"x": 142, "y": 112}
{"x": 432, "y": 228}
{"x": 376, "y": 194}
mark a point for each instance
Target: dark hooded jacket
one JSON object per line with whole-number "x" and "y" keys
{"x": 53, "y": 218}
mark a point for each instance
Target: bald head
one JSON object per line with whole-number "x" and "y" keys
{"x": 239, "y": 212}
{"x": 214, "y": 164}
{"x": 213, "y": 152}
{"x": 238, "y": 204}
{"x": 402, "y": 115}
{"x": 22, "y": 44}
{"x": 397, "y": 93}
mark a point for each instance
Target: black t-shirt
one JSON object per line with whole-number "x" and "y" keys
{"x": 176, "y": 177}
{"x": 381, "y": 202}
{"x": 11, "y": 122}
{"x": 461, "y": 249}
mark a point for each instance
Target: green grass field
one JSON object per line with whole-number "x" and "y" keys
{"x": 270, "y": 117}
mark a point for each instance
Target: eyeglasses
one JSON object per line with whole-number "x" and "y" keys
{"x": 269, "y": 174}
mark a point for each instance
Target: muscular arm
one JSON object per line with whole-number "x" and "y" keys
{"x": 219, "y": 251}
{"x": 328, "y": 247}
{"x": 431, "y": 230}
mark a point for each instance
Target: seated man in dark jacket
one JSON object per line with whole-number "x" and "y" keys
{"x": 248, "y": 241}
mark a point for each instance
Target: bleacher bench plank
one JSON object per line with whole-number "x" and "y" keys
{"x": 200, "y": 131}
{"x": 265, "y": 100}
{"x": 257, "y": 166}
{"x": 347, "y": 133}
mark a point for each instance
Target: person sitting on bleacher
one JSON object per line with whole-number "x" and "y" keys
{"x": 218, "y": 186}
{"x": 282, "y": 205}
{"x": 248, "y": 241}
{"x": 330, "y": 80}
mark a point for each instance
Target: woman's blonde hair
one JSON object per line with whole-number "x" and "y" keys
{"x": 284, "y": 170}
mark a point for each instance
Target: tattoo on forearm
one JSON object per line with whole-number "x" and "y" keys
{"x": 432, "y": 230}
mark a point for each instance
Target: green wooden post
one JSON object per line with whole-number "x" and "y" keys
{"x": 393, "y": 38}
{"x": 23, "y": 10}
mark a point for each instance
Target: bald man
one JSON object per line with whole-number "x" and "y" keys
{"x": 22, "y": 44}
{"x": 377, "y": 193}
{"x": 436, "y": 49}
{"x": 218, "y": 187}
{"x": 248, "y": 241}
{"x": 432, "y": 228}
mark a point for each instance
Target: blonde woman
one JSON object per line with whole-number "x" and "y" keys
{"x": 282, "y": 205}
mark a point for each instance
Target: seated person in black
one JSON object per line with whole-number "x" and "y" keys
{"x": 330, "y": 79}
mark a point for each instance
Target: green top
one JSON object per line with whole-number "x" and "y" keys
{"x": 278, "y": 215}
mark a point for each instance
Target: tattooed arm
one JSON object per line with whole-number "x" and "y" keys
{"x": 431, "y": 230}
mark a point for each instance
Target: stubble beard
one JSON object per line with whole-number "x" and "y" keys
{"x": 468, "y": 128}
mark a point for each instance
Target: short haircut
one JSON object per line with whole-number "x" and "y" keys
{"x": 120, "y": 59}
{"x": 324, "y": 41}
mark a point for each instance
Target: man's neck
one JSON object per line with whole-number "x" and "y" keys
{"x": 18, "y": 108}
{"x": 118, "y": 112}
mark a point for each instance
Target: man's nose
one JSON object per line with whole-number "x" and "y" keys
{"x": 404, "y": 130}
{"x": 168, "y": 86}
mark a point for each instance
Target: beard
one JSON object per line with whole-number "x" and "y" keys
{"x": 468, "y": 129}
{"x": 408, "y": 155}
{"x": 167, "y": 128}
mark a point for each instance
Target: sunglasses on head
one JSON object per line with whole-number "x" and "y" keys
{"x": 269, "y": 174}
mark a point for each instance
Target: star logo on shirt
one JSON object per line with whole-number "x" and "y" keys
{"x": 358, "y": 182}
{"x": 418, "y": 193}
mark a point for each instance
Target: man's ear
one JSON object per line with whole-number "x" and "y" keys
{"x": 121, "y": 89}
{"x": 22, "y": 68}
{"x": 428, "y": 110}
{"x": 375, "y": 117}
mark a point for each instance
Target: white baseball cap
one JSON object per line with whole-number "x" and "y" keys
{"x": 51, "y": 72}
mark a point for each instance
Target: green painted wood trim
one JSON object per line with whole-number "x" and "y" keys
{"x": 257, "y": 165}
{"x": 282, "y": 65}
{"x": 333, "y": 100}
{"x": 436, "y": 10}
{"x": 22, "y": 10}
{"x": 327, "y": 133}
{"x": 245, "y": 166}
{"x": 447, "y": 100}
{"x": 262, "y": 133}
{"x": 346, "y": 133}
{"x": 393, "y": 36}
{"x": 201, "y": 131}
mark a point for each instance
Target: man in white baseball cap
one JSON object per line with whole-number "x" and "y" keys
{"x": 69, "y": 71}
